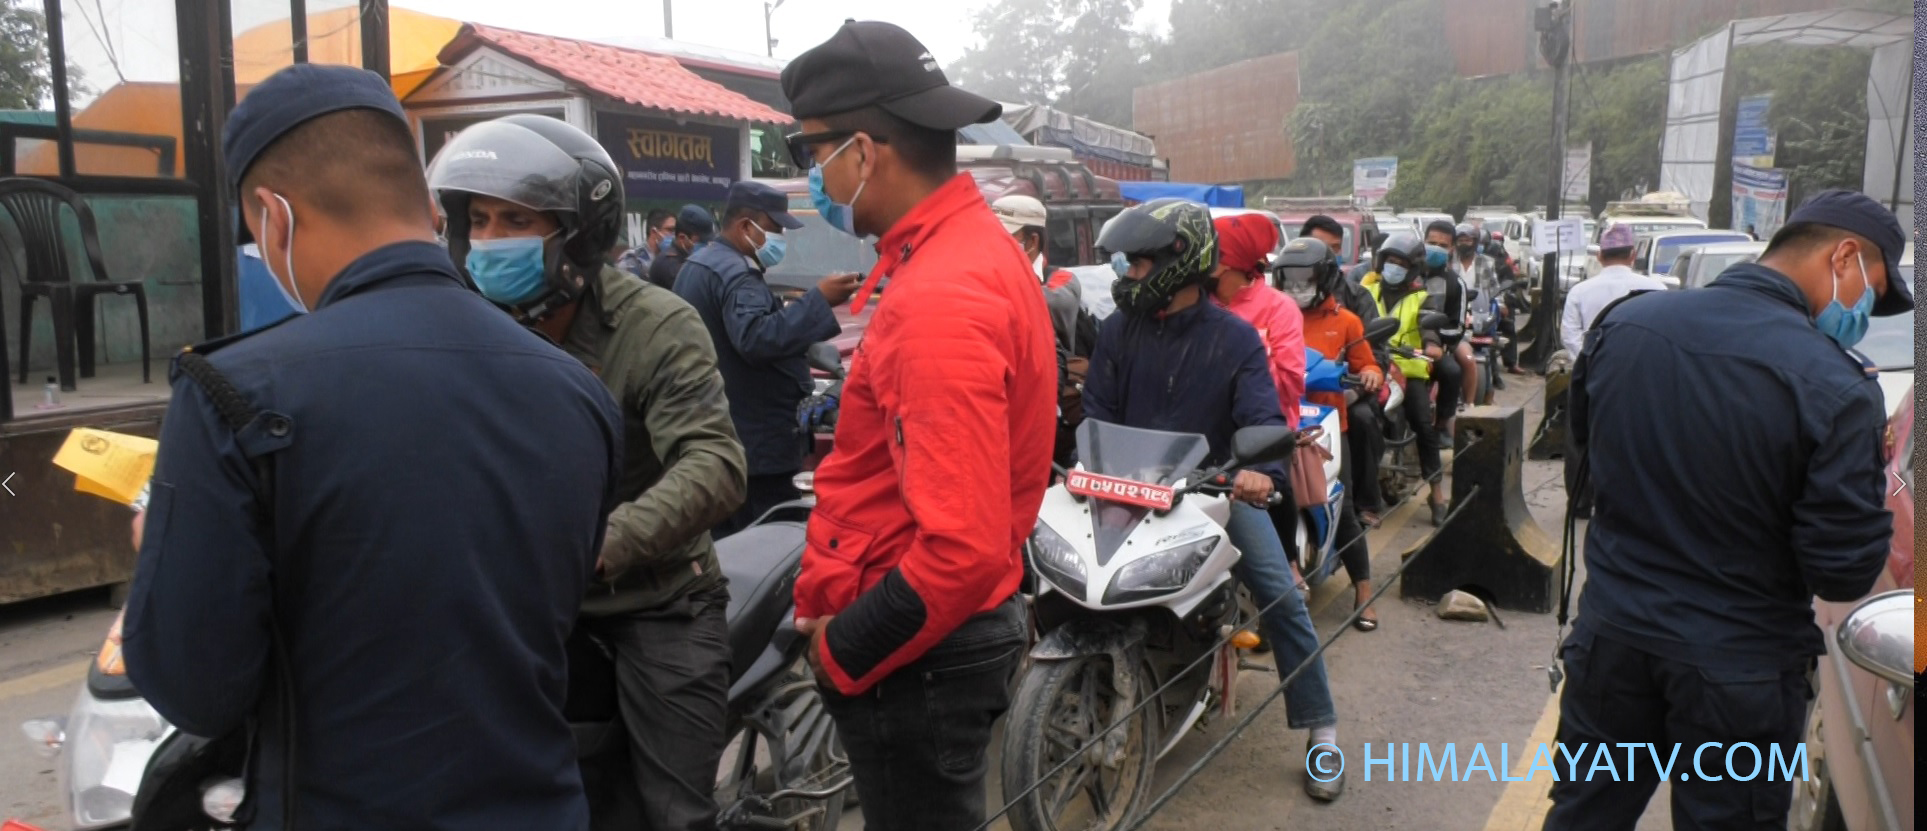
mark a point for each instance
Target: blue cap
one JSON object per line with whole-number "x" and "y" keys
{"x": 290, "y": 98}
{"x": 1858, "y": 213}
{"x": 758, "y": 196}
{"x": 695, "y": 222}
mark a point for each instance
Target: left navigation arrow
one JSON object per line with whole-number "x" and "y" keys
{"x": 4, "y": 484}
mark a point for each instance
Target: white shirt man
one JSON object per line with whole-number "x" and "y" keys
{"x": 1592, "y": 295}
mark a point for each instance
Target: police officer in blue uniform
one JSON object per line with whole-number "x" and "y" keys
{"x": 1736, "y": 452}
{"x": 404, "y": 529}
{"x": 759, "y": 340}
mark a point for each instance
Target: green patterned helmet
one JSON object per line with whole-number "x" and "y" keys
{"x": 1176, "y": 235}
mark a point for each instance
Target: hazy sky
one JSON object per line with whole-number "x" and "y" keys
{"x": 142, "y": 33}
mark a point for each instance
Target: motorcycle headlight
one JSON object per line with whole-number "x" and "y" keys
{"x": 1160, "y": 574}
{"x": 1057, "y": 561}
{"x": 108, "y": 746}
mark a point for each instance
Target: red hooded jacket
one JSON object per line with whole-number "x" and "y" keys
{"x": 943, "y": 440}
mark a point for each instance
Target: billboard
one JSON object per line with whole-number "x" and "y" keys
{"x": 661, "y": 159}
{"x": 1373, "y": 178}
{"x": 1224, "y": 126}
{"x": 1759, "y": 199}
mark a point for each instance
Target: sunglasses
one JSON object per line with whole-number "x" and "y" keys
{"x": 801, "y": 145}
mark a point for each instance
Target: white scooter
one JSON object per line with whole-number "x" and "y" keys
{"x": 1134, "y": 589}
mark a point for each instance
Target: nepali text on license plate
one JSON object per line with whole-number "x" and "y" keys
{"x": 1113, "y": 489}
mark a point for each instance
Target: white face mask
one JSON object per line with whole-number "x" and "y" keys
{"x": 293, "y": 297}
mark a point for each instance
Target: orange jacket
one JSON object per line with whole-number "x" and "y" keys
{"x": 943, "y": 443}
{"x": 1328, "y": 327}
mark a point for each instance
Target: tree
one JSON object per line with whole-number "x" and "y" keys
{"x": 26, "y": 79}
{"x": 1077, "y": 55}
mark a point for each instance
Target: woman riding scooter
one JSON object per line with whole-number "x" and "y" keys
{"x": 1307, "y": 272}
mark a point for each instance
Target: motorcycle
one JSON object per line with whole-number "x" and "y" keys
{"x": 126, "y": 766}
{"x": 1399, "y": 474}
{"x": 816, "y": 416}
{"x": 1487, "y": 342}
{"x": 1134, "y": 591}
{"x": 1316, "y": 542}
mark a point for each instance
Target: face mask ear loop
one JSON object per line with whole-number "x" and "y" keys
{"x": 288, "y": 261}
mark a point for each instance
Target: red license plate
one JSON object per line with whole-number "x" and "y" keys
{"x": 1113, "y": 489}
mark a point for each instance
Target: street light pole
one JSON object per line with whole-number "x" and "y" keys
{"x": 1554, "y": 24}
{"x": 769, "y": 37}
{"x": 668, "y": 21}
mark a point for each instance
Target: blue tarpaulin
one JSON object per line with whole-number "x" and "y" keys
{"x": 1216, "y": 196}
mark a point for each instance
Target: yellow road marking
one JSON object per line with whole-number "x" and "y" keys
{"x": 1523, "y": 806}
{"x": 44, "y": 680}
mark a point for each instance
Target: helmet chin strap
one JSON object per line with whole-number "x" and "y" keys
{"x": 561, "y": 294}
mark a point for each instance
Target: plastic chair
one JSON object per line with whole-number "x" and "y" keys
{"x": 35, "y": 205}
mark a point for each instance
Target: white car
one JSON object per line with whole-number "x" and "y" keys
{"x": 1645, "y": 226}
{"x": 1889, "y": 344}
{"x": 1697, "y": 266}
{"x": 1420, "y": 219}
{"x": 1656, "y": 252}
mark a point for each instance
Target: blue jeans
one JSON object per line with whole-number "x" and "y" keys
{"x": 1265, "y": 570}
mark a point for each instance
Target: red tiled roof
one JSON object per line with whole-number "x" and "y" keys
{"x": 635, "y": 77}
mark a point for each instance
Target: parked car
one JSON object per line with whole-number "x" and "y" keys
{"x": 1655, "y": 253}
{"x": 1359, "y": 223}
{"x": 1697, "y": 266}
{"x": 1889, "y": 344}
{"x": 1421, "y": 218}
{"x": 1860, "y": 725}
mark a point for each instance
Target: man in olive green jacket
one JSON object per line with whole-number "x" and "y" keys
{"x": 661, "y": 595}
{"x": 533, "y": 205}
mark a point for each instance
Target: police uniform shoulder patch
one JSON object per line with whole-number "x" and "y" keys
{"x": 1867, "y": 366}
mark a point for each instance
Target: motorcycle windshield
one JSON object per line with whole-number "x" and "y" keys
{"x": 1149, "y": 456}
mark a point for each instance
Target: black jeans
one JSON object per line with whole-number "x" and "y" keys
{"x": 1510, "y": 331}
{"x": 1353, "y": 551}
{"x": 919, "y": 741}
{"x": 1451, "y": 379}
{"x": 672, "y": 679}
{"x": 1418, "y": 415}
{"x": 1616, "y": 693}
{"x": 765, "y": 491}
{"x": 1367, "y": 446}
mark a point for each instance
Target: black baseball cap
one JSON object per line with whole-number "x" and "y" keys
{"x": 1858, "y": 213}
{"x": 875, "y": 64}
{"x": 761, "y": 197}
{"x": 293, "y": 97}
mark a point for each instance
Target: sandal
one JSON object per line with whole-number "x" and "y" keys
{"x": 1365, "y": 624}
{"x": 1438, "y": 515}
{"x": 1369, "y": 519}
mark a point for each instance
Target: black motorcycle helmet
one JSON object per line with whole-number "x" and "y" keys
{"x": 1408, "y": 248}
{"x": 1178, "y": 238}
{"x": 1469, "y": 235}
{"x": 542, "y": 164}
{"x": 1307, "y": 271}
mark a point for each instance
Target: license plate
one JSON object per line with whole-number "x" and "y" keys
{"x": 1113, "y": 489}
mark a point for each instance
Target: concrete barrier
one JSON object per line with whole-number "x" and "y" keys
{"x": 1550, "y": 441}
{"x": 1495, "y": 549}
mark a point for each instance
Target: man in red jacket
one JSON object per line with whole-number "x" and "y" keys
{"x": 909, "y": 584}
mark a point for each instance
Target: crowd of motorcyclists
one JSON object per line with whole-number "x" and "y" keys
{"x": 439, "y": 477}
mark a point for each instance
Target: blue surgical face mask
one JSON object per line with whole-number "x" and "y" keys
{"x": 1847, "y": 326}
{"x": 840, "y": 215}
{"x": 772, "y": 250}
{"x": 508, "y": 271}
{"x": 667, "y": 245}
{"x": 1395, "y": 274}
{"x": 1121, "y": 264}
{"x": 1436, "y": 257}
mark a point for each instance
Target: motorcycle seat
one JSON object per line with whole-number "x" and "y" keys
{"x": 761, "y": 562}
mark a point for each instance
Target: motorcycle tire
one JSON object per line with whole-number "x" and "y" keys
{"x": 1060, "y": 707}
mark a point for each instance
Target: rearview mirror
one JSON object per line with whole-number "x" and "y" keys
{"x": 825, "y": 358}
{"x": 1878, "y": 636}
{"x": 1381, "y": 329}
{"x": 1262, "y": 444}
{"x": 1434, "y": 320}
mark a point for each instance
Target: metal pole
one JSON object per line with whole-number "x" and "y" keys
{"x": 668, "y": 21}
{"x": 1555, "y": 44}
{"x": 769, "y": 40}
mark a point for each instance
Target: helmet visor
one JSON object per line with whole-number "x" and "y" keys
{"x": 1296, "y": 277}
{"x": 508, "y": 162}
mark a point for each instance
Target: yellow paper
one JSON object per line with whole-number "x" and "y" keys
{"x": 111, "y": 465}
